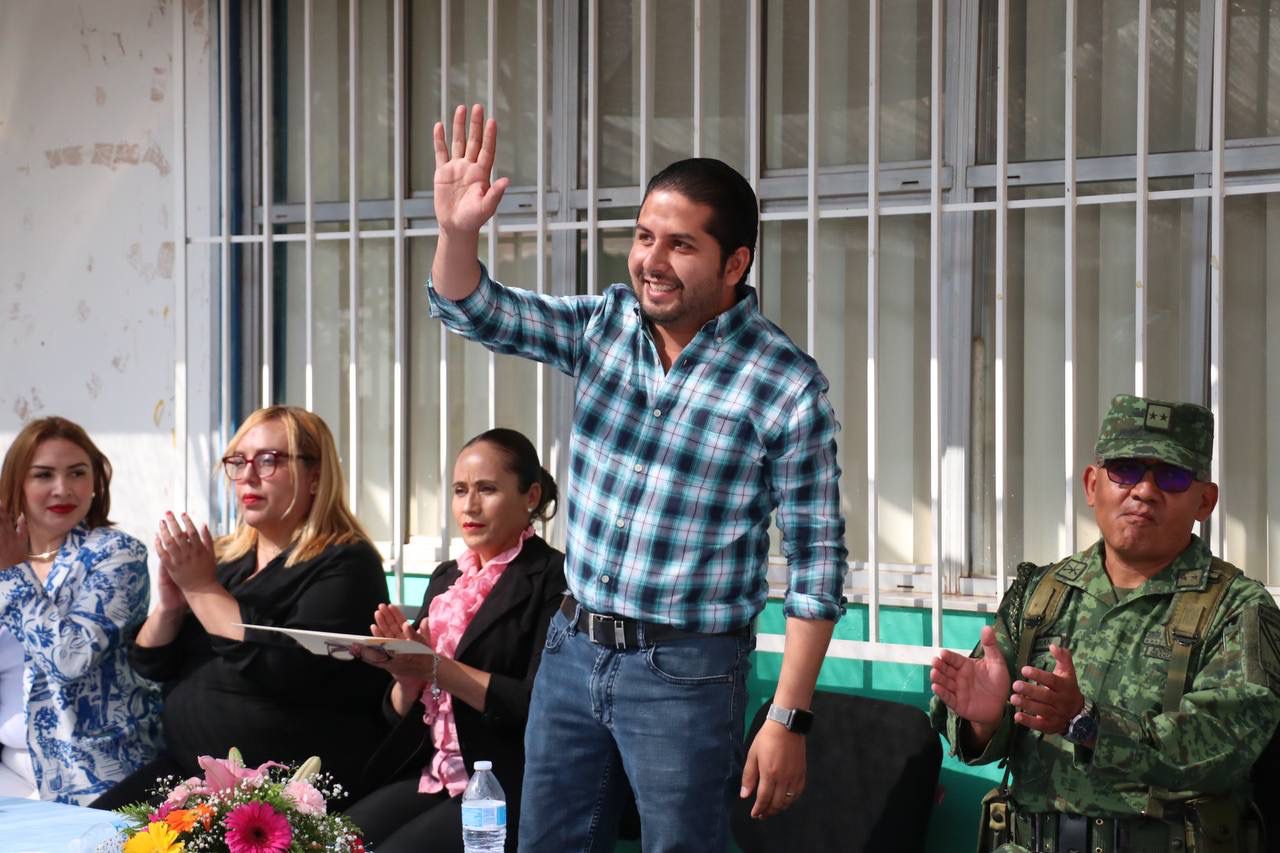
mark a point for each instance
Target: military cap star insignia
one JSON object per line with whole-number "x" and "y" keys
{"x": 1158, "y": 416}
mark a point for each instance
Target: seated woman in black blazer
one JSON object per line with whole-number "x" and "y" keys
{"x": 297, "y": 558}
{"x": 486, "y": 615}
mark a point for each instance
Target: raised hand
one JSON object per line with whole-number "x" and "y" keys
{"x": 975, "y": 688}
{"x": 465, "y": 198}
{"x": 186, "y": 555}
{"x": 1047, "y": 701}
{"x": 13, "y": 539}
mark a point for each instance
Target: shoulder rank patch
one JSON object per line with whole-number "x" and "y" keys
{"x": 1071, "y": 570}
{"x": 1260, "y": 633}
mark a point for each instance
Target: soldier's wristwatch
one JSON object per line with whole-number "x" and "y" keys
{"x": 795, "y": 720}
{"x": 1083, "y": 726}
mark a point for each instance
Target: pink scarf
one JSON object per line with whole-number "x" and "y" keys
{"x": 447, "y": 618}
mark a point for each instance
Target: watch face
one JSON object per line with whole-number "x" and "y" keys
{"x": 1082, "y": 729}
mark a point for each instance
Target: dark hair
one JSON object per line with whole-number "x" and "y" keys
{"x": 735, "y": 213}
{"x": 17, "y": 461}
{"x": 523, "y": 459}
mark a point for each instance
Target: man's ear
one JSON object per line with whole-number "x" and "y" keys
{"x": 1090, "y": 480}
{"x": 1208, "y": 500}
{"x": 735, "y": 266}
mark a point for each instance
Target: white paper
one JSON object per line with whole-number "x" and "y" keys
{"x": 325, "y": 643}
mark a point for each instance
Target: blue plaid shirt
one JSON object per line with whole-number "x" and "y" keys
{"x": 673, "y": 476}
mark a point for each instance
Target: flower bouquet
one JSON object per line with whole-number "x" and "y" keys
{"x": 237, "y": 809}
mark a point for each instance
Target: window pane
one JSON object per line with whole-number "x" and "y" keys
{"x": 330, "y": 105}
{"x": 516, "y": 388}
{"x": 1250, "y": 420}
{"x": 618, "y": 90}
{"x": 1106, "y": 62}
{"x": 1253, "y": 68}
{"x": 468, "y": 54}
{"x": 377, "y": 99}
{"x": 422, "y": 100}
{"x": 375, "y": 355}
{"x": 786, "y": 84}
{"x": 724, "y": 82}
{"x": 517, "y": 90}
{"x": 331, "y": 338}
{"x": 426, "y": 490}
{"x": 840, "y": 348}
{"x": 672, "y": 45}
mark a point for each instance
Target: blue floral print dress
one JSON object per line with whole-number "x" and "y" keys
{"x": 91, "y": 720}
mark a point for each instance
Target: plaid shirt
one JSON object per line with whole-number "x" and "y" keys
{"x": 673, "y": 476}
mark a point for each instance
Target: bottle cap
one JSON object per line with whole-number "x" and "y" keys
{"x": 483, "y": 765}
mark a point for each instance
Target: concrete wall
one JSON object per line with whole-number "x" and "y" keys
{"x": 88, "y": 266}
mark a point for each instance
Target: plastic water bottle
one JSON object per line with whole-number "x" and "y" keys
{"x": 484, "y": 812}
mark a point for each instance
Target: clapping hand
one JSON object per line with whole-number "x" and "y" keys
{"x": 186, "y": 556}
{"x": 977, "y": 689}
{"x": 13, "y": 539}
{"x": 464, "y": 197}
{"x": 1047, "y": 701}
{"x": 414, "y": 671}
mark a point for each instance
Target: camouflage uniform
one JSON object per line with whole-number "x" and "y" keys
{"x": 1119, "y": 649}
{"x": 1119, "y": 644}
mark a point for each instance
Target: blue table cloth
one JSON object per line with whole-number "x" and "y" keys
{"x": 35, "y": 826}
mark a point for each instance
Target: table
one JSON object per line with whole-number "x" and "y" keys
{"x": 36, "y": 826}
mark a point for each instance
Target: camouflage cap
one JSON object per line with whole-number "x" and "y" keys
{"x": 1178, "y": 433}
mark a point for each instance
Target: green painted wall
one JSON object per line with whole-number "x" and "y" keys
{"x": 953, "y": 825}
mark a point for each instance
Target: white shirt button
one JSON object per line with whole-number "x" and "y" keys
{"x": 639, "y": 468}
{"x": 657, "y": 413}
{"x": 620, "y": 523}
{"x": 604, "y": 579}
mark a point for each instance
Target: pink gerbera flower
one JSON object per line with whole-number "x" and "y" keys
{"x": 257, "y": 828}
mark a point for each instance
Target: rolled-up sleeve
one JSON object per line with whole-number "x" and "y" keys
{"x": 805, "y": 480}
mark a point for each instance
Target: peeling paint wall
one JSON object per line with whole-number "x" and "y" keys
{"x": 87, "y": 230}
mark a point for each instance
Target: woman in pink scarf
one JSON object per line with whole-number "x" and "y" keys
{"x": 486, "y": 616}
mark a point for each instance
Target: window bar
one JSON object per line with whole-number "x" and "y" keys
{"x": 180, "y": 424}
{"x": 593, "y": 111}
{"x": 1217, "y": 532}
{"x": 873, "y": 304}
{"x": 753, "y": 112}
{"x": 446, "y": 110}
{"x": 697, "y": 82}
{"x": 540, "y": 213}
{"x": 1002, "y": 229}
{"x": 353, "y": 254}
{"x": 399, "y": 296}
{"x": 267, "y": 338}
{"x": 490, "y": 108}
{"x": 1140, "y": 207}
{"x": 1069, "y": 274}
{"x": 309, "y": 201}
{"x": 935, "y": 319}
{"x": 225, "y": 505}
{"x": 646, "y": 90}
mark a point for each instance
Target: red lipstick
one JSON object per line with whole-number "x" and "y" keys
{"x": 62, "y": 509}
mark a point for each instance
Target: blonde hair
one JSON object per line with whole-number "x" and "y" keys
{"x": 329, "y": 521}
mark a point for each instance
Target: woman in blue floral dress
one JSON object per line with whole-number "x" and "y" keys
{"x": 70, "y": 584}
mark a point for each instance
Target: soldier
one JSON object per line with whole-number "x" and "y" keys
{"x": 1131, "y": 686}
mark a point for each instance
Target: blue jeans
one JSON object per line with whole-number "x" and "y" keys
{"x": 668, "y": 715}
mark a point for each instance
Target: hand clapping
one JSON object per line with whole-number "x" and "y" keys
{"x": 186, "y": 555}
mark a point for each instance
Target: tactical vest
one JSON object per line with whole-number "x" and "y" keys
{"x": 1189, "y": 618}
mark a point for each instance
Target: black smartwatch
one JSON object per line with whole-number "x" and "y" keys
{"x": 795, "y": 720}
{"x": 1083, "y": 726}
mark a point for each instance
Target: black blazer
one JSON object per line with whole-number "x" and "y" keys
{"x": 505, "y": 639}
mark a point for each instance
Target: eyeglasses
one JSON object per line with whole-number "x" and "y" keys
{"x": 368, "y": 654}
{"x": 264, "y": 462}
{"x": 1129, "y": 472}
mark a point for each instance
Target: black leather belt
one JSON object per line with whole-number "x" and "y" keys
{"x": 621, "y": 633}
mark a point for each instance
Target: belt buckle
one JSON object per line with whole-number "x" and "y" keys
{"x": 604, "y": 624}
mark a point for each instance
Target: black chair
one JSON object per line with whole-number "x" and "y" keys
{"x": 870, "y": 783}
